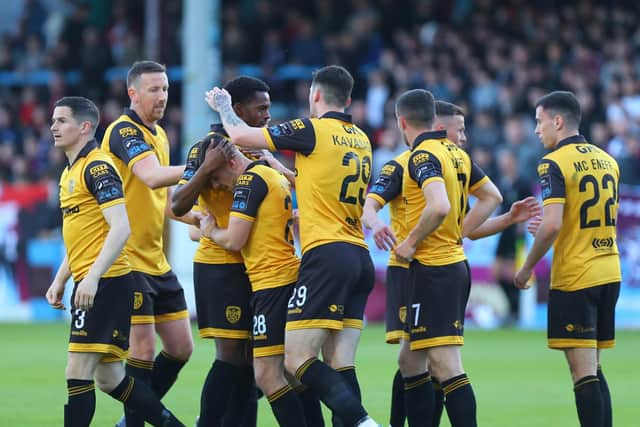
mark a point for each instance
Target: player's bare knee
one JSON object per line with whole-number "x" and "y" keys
{"x": 231, "y": 351}
{"x": 80, "y": 366}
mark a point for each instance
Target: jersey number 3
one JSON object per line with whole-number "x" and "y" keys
{"x": 360, "y": 177}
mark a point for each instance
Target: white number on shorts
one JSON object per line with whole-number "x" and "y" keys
{"x": 298, "y": 297}
{"x": 79, "y": 322}
{"x": 259, "y": 325}
{"x": 416, "y": 307}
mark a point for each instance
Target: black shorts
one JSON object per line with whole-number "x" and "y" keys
{"x": 396, "y": 306}
{"x": 436, "y": 305}
{"x": 332, "y": 289}
{"x": 105, "y": 327}
{"x": 583, "y": 318}
{"x": 269, "y": 317}
{"x": 157, "y": 299}
{"x": 222, "y": 295}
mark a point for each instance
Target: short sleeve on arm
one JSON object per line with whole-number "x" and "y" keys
{"x": 297, "y": 135}
{"x": 424, "y": 168}
{"x": 104, "y": 183}
{"x": 248, "y": 194}
{"x": 127, "y": 143}
{"x": 478, "y": 177}
{"x": 192, "y": 164}
{"x": 551, "y": 180}
{"x": 388, "y": 186}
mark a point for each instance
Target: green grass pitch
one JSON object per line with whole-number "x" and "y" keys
{"x": 517, "y": 380}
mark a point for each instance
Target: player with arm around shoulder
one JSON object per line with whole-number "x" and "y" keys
{"x": 95, "y": 229}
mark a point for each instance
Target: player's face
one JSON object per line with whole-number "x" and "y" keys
{"x": 223, "y": 179}
{"x": 256, "y": 111}
{"x": 455, "y": 130}
{"x": 546, "y": 128}
{"x": 149, "y": 95}
{"x": 65, "y": 129}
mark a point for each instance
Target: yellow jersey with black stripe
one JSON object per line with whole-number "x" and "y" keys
{"x": 435, "y": 158}
{"x": 388, "y": 189}
{"x": 218, "y": 202}
{"x": 585, "y": 180}
{"x": 333, "y": 169}
{"x": 87, "y": 186}
{"x": 128, "y": 140}
{"x": 262, "y": 196}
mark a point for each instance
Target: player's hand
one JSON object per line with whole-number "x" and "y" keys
{"x": 521, "y": 281}
{"x": 54, "y": 295}
{"x": 524, "y": 209}
{"x": 534, "y": 224}
{"x": 217, "y": 98}
{"x": 384, "y": 237}
{"x": 215, "y": 157}
{"x": 405, "y": 251}
{"x": 86, "y": 292}
{"x": 207, "y": 225}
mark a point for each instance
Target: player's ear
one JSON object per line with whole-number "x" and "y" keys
{"x": 348, "y": 102}
{"x": 558, "y": 121}
{"x": 131, "y": 91}
{"x": 237, "y": 108}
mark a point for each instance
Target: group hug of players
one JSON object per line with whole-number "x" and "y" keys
{"x": 291, "y": 326}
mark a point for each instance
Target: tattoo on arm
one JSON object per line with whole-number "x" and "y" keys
{"x": 228, "y": 116}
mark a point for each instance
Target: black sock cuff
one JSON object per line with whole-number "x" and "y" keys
{"x": 140, "y": 364}
{"x": 346, "y": 369}
{"x": 123, "y": 390}
{"x": 416, "y": 381}
{"x": 452, "y": 384}
{"x": 279, "y": 393}
{"x": 77, "y": 387}
{"x": 304, "y": 367}
{"x": 300, "y": 388}
{"x": 167, "y": 358}
{"x": 584, "y": 381}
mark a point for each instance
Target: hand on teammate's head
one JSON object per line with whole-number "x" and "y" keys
{"x": 217, "y": 98}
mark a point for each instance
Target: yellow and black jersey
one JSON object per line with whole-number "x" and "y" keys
{"x": 333, "y": 169}
{"x": 218, "y": 202}
{"x": 128, "y": 140}
{"x": 262, "y": 196}
{"x": 388, "y": 189}
{"x": 87, "y": 186}
{"x": 585, "y": 179}
{"x": 435, "y": 158}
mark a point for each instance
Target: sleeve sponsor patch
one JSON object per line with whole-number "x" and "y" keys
{"x": 135, "y": 146}
{"x": 107, "y": 189}
{"x": 241, "y": 199}
{"x": 127, "y": 132}
{"x": 545, "y": 185}
{"x": 281, "y": 129}
{"x": 425, "y": 171}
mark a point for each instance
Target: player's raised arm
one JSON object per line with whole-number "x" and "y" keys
{"x": 520, "y": 211}
{"x": 239, "y": 132}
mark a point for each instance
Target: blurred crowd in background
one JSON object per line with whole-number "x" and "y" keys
{"x": 493, "y": 58}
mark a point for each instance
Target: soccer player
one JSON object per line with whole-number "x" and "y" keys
{"x": 259, "y": 226}
{"x": 437, "y": 182}
{"x": 579, "y": 184}
{"x": 222, "y": 288}
{"x": 95, "y": 229}
{"x": 139, "y": 148}
{"x": 333, "y": 163}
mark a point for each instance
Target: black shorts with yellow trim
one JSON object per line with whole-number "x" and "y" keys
{"x": 105, "y": 327}
{"x": 584, "y": 318}
{"x": 223, "y": 294}
{"x": 333, "y": 286}
{"x": 269, "y": 308}
{"x": 396, "y": 304}
{"x": 437, "y": 298}
{"x": 157, "y": 299}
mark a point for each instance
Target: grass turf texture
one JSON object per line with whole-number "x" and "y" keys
{"x": 517, "y": 380}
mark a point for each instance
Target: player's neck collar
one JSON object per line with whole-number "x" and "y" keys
{"x": 337, "y": 115}
{"x": 136, "y": 118}
{"x": 432, "y": 134}
{"x": 574, "y": 139}
{"x": 88, "y": 147}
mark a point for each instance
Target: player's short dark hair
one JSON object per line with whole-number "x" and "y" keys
{"x": 242, "y": 89}
{"x": 563, "y": 103}
{"x": 82, "y": 109}
{"x": 445, "y": 109}
{"x": 336, "y": 83}
{"x": 143, "y": 67}
{"x": 417, "y": 106}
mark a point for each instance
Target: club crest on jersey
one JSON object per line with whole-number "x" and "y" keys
{"x": 233, "y": 314}
{"x": 137, "y": 300}
{"x": 402, "y": 314}
{"x": 72, "y": 184}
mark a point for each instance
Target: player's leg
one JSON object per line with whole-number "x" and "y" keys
{"x": 81, "y": 403}
{"x": 112, "y": 379}
{"x": 284, "y": 401}
{"x": 606, "y": 339}
{"x": 583, "y": 363}
{"x": 418, "y": 391}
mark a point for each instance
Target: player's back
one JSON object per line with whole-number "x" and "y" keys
{"x": 585, "y": 179}
{"x": 127, "y": 140}
{"x": 438, "y": 159}
{"x": 331, "y": 183}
